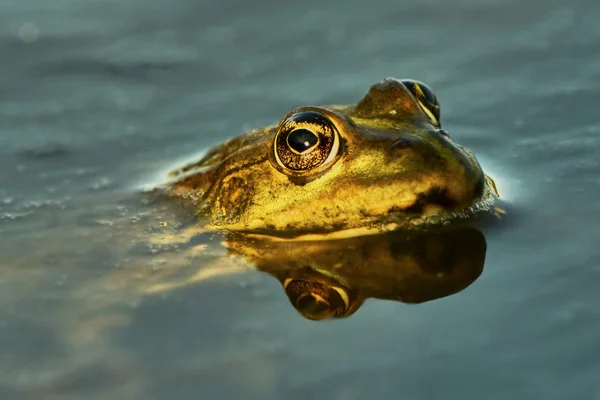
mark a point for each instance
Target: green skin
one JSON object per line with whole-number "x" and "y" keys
{"x": 383, "y": 162}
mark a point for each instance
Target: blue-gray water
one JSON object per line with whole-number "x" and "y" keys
{"x": 97, "y": 97}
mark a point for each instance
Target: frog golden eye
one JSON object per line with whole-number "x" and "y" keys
{"x": 317, "y": 300}
{"x": 305, "y": 140}
{"x": 426, "y": 99}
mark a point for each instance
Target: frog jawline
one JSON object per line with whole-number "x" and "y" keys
{"x": 484, "y": 205}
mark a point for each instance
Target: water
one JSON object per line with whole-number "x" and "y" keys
{"x": 98, "y": 98}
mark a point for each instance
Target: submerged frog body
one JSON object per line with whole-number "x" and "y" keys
{"x": 383, "y": 163}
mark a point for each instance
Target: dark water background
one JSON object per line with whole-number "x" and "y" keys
{"x": 98, "y": 96}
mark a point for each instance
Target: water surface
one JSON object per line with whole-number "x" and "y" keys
{"x": 100, "y": 97}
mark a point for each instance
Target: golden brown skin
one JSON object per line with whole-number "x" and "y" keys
{"x": 384, "y": 162}
{"x": 332, "y": 278}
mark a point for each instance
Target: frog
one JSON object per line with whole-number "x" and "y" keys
{"x": 382, "y": 164}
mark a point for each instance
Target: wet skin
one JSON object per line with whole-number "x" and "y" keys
{"x": 382, "y": 164}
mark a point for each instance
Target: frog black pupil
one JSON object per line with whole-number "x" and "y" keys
{"x": 302, "y": 139}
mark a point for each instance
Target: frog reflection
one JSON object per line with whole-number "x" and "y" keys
{"x": 332, "y": 279}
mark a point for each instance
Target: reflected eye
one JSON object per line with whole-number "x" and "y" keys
{"x": 317, "y": 300}
{"x": 305, "y": 140}
{"x": 426, "y": 99}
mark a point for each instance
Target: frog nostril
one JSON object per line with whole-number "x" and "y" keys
{"x": 402, "y": 143}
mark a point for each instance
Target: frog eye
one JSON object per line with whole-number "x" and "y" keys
{"x": 317, "y": 300}
{"x": 426, "y": 99}
{"x": 305, "y": 140}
